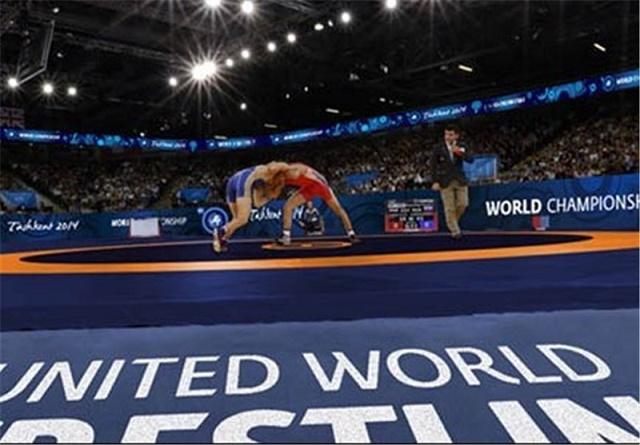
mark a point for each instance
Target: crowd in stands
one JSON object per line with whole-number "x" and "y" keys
{"x": 403, "y": 162}
{"x": 96, "y": 186}
{"x": 594, "y": 148}
{"x": 547, "y": 143}
{"x": 9, "y": 182}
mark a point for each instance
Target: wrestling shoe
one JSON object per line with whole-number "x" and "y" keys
{"x": 219, "y": 243}
{"x": 284, "y": 240}
{"x": 353, "y": 238}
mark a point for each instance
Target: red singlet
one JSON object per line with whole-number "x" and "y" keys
{"x": 311, "y": 184}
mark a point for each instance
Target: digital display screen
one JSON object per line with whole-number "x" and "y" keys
{"x": 415, "y": 215}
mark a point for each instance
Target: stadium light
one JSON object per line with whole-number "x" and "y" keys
{"x": 213, "y": 3}
{"x": 382, "y": 99}
{"x": 173, "y": 81}
{"x": 229, "y": 62}
{"x": 245, "y": 54}
{"x": 247, "y": 7}
{"x": 267, "y": 125}
{"x": 318, "y": 26}
{"x": 210, "y": 67}
{"x": 198, "y": 72}
{"x": 55, "y": 10}
{"x": 332, "y": 111}
{"x": 204, "y": 70}
{"x": 345, "y": 17}
{"x": 243, "y": 106}
{"x": 391, "y": 4}
{"x": 287, "y": 96}
{"x": 306, "y": 89}
{"x": 599, "y": 47}
{"x": 466, "y": 68}
{"x": 72, "y": 91}
{"x": 47, "y": 88}
{"x": 291, "y": 38}
{"x": 13, "y": 83}
{"x": 271, "y": 47}
{"x": 330, "y": 23}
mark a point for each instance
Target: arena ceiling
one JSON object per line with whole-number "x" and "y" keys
{"x": 121, "y": 54}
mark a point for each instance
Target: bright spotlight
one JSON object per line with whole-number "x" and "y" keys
{"x": 243, "y": 106}
{"x": 72, "y": 91}
{"x": 173, "y": 81}
{"x": 291, "y": 38}
{"x": 229, "y": 62}
{"x": 203, "y": 70}
{"x": 391, "y": 4}
{"x": 213, "y": 3}
{"x": 247, "y": 7}
{"x": 318, "y": 26}
{"x": 198, "y": 72}
{"x": 210, "y": 68}
{"x": 245, "y": 54}
{"x": 306, "y": 89}
{"x": 47, "y": 88}
{"x": 345, "y": 17}
{"x": 271, "y": 47}
{"x": 13, "y": 83}
{"x": 466, "y": 68}
{"x": 599, "y": 47}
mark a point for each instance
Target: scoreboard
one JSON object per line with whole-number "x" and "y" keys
{"x": 414, "y": 215}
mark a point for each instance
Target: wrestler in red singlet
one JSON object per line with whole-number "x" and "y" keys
{"x": 310, "y": 183}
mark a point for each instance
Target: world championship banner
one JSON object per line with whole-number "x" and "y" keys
{"x": 596, "y": 203}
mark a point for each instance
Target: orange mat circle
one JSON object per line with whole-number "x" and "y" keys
{"x": 597, "y": 241}
{"x": 308, "y": 245}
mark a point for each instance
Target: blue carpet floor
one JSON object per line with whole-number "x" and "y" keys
{"x": 599, "y": 280}
{"x": 465, "y": 409}
{"x": 81, "y": 349}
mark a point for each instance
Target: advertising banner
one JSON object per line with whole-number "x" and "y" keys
{"x": 596, "y": 203}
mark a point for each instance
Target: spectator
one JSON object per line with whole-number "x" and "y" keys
{"x": 561, "y": 141}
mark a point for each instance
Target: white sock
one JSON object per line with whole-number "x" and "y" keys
{"x": 286, "y": 233}
{"x": 351, "y": 233}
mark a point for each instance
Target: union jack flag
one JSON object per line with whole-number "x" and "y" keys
{"x": 11, "y": 117}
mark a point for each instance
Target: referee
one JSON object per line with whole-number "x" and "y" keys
{"x": 449, "y": 178}
{"x": 311, "y": 221}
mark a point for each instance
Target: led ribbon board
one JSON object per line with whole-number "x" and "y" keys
{"x": 578, "y": 89}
